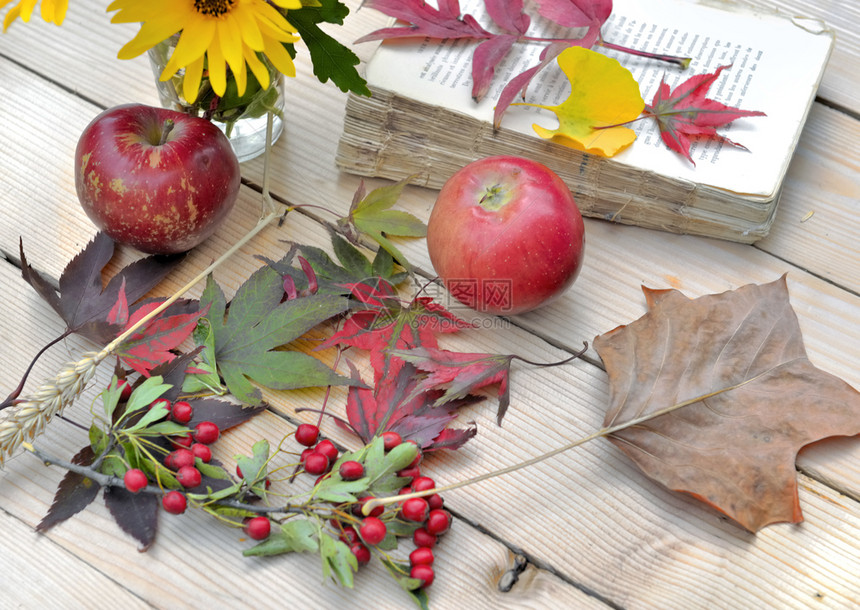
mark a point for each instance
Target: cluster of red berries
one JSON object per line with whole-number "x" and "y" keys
{"x": 371, "y": 529}
{"x": 182, "y": 460}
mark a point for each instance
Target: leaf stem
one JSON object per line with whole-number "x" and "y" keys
{"x": 682, "y": 62}
{"x": 604, "y": 431}
{"x": 578, "y": 354}
{"x": 17, "y": 391}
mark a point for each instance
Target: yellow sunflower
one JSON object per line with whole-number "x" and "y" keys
{"x": 53, "y": 11}
{"x": 220, "y": 33}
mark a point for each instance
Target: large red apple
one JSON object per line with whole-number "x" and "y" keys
{"x": 154, "y": 178}
{"x": 505, "y": 235}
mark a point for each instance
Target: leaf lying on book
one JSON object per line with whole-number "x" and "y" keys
{"x": 603, "y": 95}
{"x": 749, "y": 398}
{"x": 424, "y": 20}
{"x": 685, "y": 112}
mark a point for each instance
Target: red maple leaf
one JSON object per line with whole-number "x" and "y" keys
{"x": 424, "y": 20}
{"x": 397, "y": 405}
{"x": 387, "y": 323}
{"x": 153, "y": 344}
{"x": 686, "y": 112}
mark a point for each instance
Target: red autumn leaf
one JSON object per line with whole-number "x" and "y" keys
{"x": 460, "y": 373}
{"x": 743, "y": 394}
{"x": 153, "y": 344}
{"x": 396, "y": 405}
{"x": 508, "y": 15}
{"x": 387, "y": 323}
{"x": 424, "y": 20}
{"x": 686, "y": 112}
{"x": 576, "y": 13}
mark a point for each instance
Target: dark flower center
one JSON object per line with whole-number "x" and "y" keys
{"x": 213, "y": 8}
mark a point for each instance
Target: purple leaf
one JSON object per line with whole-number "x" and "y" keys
{"x": 74, "y": 493}
{"x": 135, "y": 514}
{"x": 424, "y": 20}
{"x": 576, "y": 13}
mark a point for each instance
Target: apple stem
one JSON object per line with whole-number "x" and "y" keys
{"x": 165, "y": 131}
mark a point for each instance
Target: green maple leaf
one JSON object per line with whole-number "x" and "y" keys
{"x": 371, "y": 214}
{"x": 258, "y": 322}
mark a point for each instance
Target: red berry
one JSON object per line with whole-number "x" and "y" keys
{"x": 424, "y": 573}
{"x": 351, "y": 470}
{"x": 361, "y": 502}
{"x": 206, "y": 432}
{"x": 409, "y": 473}
{"x": 178, "y": 458}
{"x": 438, "y": 521}
{"x": 423, "y": 555}
{"x": 423, "y": 538}
{"x": 183, "y": 441}
{"x": 134, "y": 480}
{"x": 435, "y": 501}
{"x": 372, "y": 530}
{"x": 159, "y": 401}
{"x": 328, "y": 449}
{"x": 181, "y": 411}
{"x": 361, "y": 552}
{"x": 404, "y": 490}
{"x": 189, "y": 476}
{"x": 391, "y": 439}
{"x": 414, "y": 509}
{"x": 238, "y": 471}
{"x": 124, "y": 389}
{"x": 423, "y": 484}
{"x": 174, "y": 502}
{"x": 316, "y": 463}
{"x": 307, "y": 434}
{"x": 202, "y": 451}
{"x": 258, "y": 528}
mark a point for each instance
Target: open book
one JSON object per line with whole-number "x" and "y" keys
{"x": 422, "y": 121}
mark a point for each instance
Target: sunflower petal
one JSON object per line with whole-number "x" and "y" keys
{"x": 195, "y": 39}
{"x": 249, "y": 31}
{"x": 150, "y": 34}
{"x": 279, "y": 57}
{"x": 257, "y": 67}
{"x": 11, "y": 16}
{"x": 230, "y": 39}
{"x": 217, "y": 68}
{"x": 191, "y": 81}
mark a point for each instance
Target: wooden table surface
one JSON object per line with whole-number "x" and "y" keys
{"x": 593, "y": 531}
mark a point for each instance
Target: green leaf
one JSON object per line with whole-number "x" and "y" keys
{"x": 167, "y": 428}
{"x": 156, "y": 413}
{"x": 207, "y": 380}
{"x": 381, "y": 467}
{"x": 257, "y": 324}
{"x": 335, "y": 489}
{"x": 400, "y": 573}
{"x": 371, "y": 215}
{"x": 255, "y": 468}
{"x": 295, "y": 536}
{"x": 110, "y": 398}
{"x": 98, "y": 440}
{"x": 331, "y": 59}
{"x": 145, "y": 393}
{"x": 337, "y": 560}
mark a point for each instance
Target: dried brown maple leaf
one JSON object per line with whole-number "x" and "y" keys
{"x": 751, "y": 398}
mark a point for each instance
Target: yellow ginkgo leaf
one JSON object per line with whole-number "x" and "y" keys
{"x": 603, "y": 92}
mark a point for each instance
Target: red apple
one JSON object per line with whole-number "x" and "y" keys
{"x": 155, "y": 179}
{"x": 505, "y": 235}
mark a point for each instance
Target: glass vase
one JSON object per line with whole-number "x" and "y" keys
{"x": 241, "y": 118}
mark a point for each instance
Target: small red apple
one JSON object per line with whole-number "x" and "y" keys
{"x": 156, "y": 179}
{"x": 505, "y": 235}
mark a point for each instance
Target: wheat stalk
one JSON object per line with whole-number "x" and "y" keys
{"x": 27, "y": 419}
